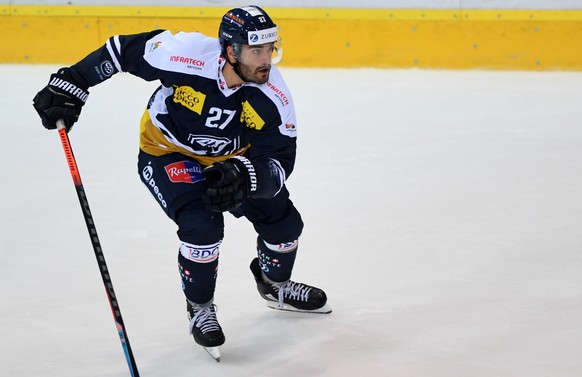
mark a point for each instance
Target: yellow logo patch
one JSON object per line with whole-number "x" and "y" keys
{"x": 250, "y": 117}
{"x": 188, "y": 97}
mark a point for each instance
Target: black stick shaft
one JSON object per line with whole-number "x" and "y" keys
{"x": 98, "y": 251}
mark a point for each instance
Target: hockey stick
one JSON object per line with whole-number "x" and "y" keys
{"x": 97, "y": 248}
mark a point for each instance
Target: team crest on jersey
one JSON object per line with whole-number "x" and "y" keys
{"x": 250, "y": 117}
{"x": 190, "y": 98}
{"x": 184, "y": 172}
{"x": 212, "y": 144}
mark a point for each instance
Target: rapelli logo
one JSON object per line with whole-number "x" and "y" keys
{"x": 189, "y": 98}
{"x": 184, "y": 172}
{"x": 250, "y": 117}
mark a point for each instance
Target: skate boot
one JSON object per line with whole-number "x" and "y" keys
{"x": 289, "y": 295}
{"x": 205, "y": 328}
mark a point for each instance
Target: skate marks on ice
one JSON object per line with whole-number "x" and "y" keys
{"x": 442, "y": 218}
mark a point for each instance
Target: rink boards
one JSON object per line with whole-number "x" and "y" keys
{"x": 318, "y": 37}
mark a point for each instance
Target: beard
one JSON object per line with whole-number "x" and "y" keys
{"x": 258, "y": 75}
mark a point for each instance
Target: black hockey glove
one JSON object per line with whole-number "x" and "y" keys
{"x": 62, "y": 98}
{"x": 229, "y": 183}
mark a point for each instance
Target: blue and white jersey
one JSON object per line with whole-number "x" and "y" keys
{"x": 193, "y": 112}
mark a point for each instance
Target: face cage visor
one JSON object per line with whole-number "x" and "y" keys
{"x": 276, "y": 54}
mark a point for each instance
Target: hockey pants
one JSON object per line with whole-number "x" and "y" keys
{"x": 177, "y": 185}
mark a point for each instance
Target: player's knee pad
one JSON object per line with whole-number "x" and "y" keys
{"x": 274, "y": 219}
{"x": 198, "y": 226}
{"x": 277, "y": 260}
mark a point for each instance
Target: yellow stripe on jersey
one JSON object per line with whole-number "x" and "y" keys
{"x": 152, "y": 141}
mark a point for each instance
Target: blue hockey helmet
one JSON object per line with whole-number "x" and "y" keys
{"x": 249, "y": 25}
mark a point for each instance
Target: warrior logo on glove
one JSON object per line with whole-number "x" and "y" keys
{"x": 229, "y": 183}
{"x": 58, "y": 83}
{"x": 63, "y": 98}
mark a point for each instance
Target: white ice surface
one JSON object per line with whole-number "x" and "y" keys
{"x": 443, "y": 217}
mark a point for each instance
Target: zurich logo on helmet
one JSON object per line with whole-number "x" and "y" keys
{"x": 254, "y": 37}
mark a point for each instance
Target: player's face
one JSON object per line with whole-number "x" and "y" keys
{"x": 255, "y": 62}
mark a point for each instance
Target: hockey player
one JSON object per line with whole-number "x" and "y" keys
{"x": 219, "y": 134}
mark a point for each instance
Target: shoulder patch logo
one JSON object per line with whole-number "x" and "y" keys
{"x": 250, "y": 117}
{"x": 153, "y": 45}
{"x": 190, "y": 98}
{"x": 288, "y": 129}
{"x": 106, "y": 68}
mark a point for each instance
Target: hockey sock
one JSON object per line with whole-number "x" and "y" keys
{"x": 198, "y": 269}
{"x": 277, "y": 261}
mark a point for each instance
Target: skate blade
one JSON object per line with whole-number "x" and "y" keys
{"x": 214, "y": 352}
{"x": 325, "y": 309}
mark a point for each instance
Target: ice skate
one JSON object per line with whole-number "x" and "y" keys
{"x": 205, "y": 328}
{"x": 290, "y": 296}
